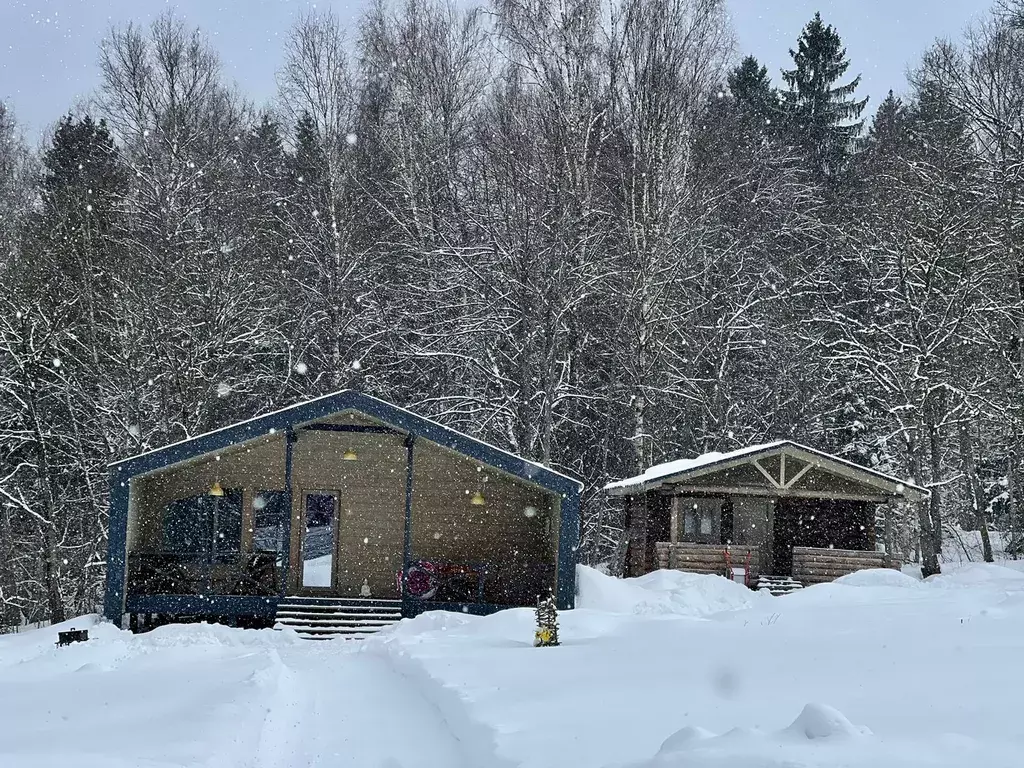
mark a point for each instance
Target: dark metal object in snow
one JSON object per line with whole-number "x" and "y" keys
{"x": 72, "y": 636}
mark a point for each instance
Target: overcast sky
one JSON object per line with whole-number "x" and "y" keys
{"x": 48, "y": 48}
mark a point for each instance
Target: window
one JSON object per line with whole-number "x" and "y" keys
{"x": 702, "y": 520}
{"x": 204, "y": 525}
{"x": 270, "y": 510}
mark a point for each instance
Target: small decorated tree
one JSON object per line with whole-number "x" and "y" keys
{"x": 547, "y": 623}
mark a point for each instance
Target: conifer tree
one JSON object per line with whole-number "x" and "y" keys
{"x": 822, "y": 115}
{"x": 752, "y": 90}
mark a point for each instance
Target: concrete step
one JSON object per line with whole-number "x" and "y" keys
{"x": 778, "y": 585}
{"x": 323, "y": 618}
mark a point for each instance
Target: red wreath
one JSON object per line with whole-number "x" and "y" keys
{"x": 421, "y": 580}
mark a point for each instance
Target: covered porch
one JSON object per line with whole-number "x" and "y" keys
{"x": 775, "y": 513}
{"x": 345, "y": 499}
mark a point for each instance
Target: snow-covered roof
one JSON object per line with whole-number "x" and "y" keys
{"x": 680, "y": 469}
{"x": 681, "y": 466}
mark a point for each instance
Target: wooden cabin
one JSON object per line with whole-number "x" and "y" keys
{"x": 345, "y": 500}
{"x": 779, "y": 515}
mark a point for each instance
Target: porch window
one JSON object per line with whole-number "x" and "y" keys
{"x": 270, "y": 510}
{"x": 204, "y": 525}
{"x": 702, "y": 520}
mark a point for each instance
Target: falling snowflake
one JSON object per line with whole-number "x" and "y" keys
{"x": 56, "y": 362}
{"x": 259, "y": 502}
{"x": 356, "y": 365}
{"x": 223, "y": 389}
{"x": 133, "y": 430}
{"x": 301, "y": 368}
{"x": 351, "y": 139}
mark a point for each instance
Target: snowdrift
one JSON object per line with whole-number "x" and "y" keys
{"x": 666, "y": 593}
{"x": 672, "y": 670}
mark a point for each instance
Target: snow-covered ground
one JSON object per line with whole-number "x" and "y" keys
{"x": 666, "y": 671}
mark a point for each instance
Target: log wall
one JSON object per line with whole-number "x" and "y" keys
{"x": 812, "y": 565}
{"x": 706, "y": 558}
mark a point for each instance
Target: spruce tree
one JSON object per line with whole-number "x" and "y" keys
{"x": 822, "y": 115}
{"x": 752, "y": 92}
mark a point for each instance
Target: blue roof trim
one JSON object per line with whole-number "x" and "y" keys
{"x": 322, "y": 407}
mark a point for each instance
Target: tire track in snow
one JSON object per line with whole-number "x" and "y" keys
{"x": 281, "y": 737}
{"x": 356, "y": 710}
{"x": 476, "y": 740}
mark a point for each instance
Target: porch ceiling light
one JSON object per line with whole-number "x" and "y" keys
{"x": 350, "y": 455}
{"x": 478, "y": 499}
{"x": 216, "y": 490}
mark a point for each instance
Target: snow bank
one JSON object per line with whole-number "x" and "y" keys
{"x": 879, "y": 577}
{"x": 977, "y": 575}
{"x": 664, "y": 592}
{"x": 818, "y": 721}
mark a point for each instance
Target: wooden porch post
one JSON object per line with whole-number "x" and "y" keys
{"x": 674, "y": 530}
{"x": 410, "y": 441}
{"x": 673, "y": 534}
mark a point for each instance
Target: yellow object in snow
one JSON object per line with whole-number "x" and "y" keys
{"x": 542, "y": 637}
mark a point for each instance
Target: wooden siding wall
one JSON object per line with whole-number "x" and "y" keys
{"x": 520, "y": 551}
{"x": 257, "y": 466}
{"x": 371, "y": 505}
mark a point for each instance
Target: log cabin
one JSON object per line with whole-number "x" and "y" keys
{"x": 776, "y": 516}
{"x": 335, "y": 515}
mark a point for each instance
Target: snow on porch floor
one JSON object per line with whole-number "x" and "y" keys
{"x": 666, "y": 671}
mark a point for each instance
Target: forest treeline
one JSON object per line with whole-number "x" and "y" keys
{"x": 591, "y": 233}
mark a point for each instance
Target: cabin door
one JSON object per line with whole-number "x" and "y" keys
{"x": 784, "y": 532}
{"x": 319, "y": 540}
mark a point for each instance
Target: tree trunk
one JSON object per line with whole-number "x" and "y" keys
{"x": 1011, "y": 502}
{"x": 977, "y": 493}
{"x": 931, "y": 513}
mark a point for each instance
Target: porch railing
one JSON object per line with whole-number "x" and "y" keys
{"x": 247, "y": 573}
{"x": 708, "y": 558}
{"x": 814, "y": 565}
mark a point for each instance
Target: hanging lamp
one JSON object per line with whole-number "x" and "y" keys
{"x": 478, "y": 499}
{"x": 215, "y": 489}
{"x": 350, "y": 455}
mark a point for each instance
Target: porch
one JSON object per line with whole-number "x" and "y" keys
{"x": 779, "y": 512}
{"x": 811, "y": 565}
{"x": 363, "y": 503}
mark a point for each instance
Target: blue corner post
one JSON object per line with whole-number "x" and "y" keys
{"x": 568, "y": 538}
{"x": 117, "y": 546}
{"x": 410, "y": 443}
{"x": 290, "y": 436}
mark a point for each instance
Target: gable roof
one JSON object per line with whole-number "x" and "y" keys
{"x": 682, "y": 470}
{"x": 338, "y": 402}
